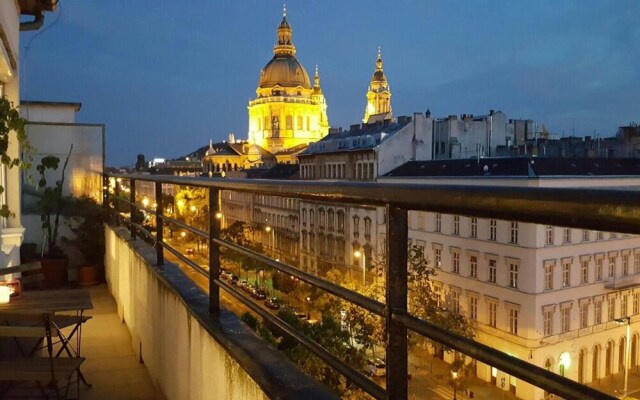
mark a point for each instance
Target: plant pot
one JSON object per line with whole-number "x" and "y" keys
{"x": 88, "y": 275}
{"x": 55, "y": 272}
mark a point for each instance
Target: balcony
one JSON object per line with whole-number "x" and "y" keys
{"x": 152, "y": 282}
{"x": 621, "y": 283}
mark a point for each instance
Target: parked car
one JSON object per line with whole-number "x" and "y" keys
{"x": 272, "y": 303}
{"x": 242, "y": 283}
{"x": 190, "y": 251}
{"x": 375, "y": 367}
{"x": 259, "y": 294}
{"x": 301, "y": 315}
{"x": 234, "y": 279}
{"x": 224, "y": 274}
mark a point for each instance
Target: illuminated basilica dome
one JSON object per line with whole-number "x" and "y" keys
{"x": 288, "y": 110}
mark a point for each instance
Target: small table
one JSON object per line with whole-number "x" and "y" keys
{"x": 53, "y": 301}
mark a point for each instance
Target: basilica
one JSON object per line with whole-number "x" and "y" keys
{"x": 289, "y": 112}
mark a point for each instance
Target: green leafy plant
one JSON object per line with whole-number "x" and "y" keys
{"x": 87, "y": 223}
{"x": 11, "y": 123}
{"x": 52, "y": 201}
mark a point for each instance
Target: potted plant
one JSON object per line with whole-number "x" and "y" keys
{"x": 51, "y": 203}
{"x": 87, "y": 225}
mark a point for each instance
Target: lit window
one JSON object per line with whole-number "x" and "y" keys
{"x": 513, "y": 275}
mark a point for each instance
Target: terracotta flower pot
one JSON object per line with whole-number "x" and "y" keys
{"x": 88, "y": 275}
{"x": 55, "y": 272}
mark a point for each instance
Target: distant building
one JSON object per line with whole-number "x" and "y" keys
{"x": 545, "y": 294}
{"x": 378, "y": 106}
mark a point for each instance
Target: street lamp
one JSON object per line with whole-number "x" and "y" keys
{"x": 454, "y": 375}
{"x": 627, "y": 321}
{"x": 220, "y": 216}
{"x": 357, "y": 254}
{"x": 145, "y": 202}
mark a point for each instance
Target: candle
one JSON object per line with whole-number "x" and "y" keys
{"x": 5, "y": 294}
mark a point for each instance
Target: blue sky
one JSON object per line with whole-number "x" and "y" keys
{"x": 166, "y": 76}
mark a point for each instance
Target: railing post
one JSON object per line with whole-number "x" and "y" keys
{"x": 396, "y": 299}
{"x": 159, "y": 225}
{"x": 105, "y": 196}
{"x": 116, "y": 202}
{"x": 214, "y": 251}
{"x": 132, "y": 207}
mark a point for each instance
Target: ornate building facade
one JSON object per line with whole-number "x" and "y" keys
{"x": 378, "y": 96}
{"x": 288, "y": 110}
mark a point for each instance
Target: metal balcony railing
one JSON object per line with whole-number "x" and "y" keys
{"x": 603, "y": 210}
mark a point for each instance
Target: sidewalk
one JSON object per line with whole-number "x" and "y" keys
{"x": 111, "y": 365}
{"x": 614, "y": 384}
{"x": 431, "y": 379}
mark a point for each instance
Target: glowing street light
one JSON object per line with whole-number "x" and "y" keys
{"x": 454, "y": 376}
{"x": 145, "y": 202}
{"x": 273, "y": 239}
{"x": 193, "y": 208}
{"x": 357, "y": 254}
{"x": 183, "y": 234}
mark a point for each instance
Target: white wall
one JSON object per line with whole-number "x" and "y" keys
{"x": 60, "y": 113}
{"x": 401, "y": 148}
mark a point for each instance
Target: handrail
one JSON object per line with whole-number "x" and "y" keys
{"x": 550, "y": 206}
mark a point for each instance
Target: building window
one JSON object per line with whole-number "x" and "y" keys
{"x": 548, "y": 322}
{"x": 455, "y": 301}
{"x": 612, "y": 267}
{"x": 549, "y": 235}
{"x": 473, "y": 266}
{"x": 624, "y": 301}
{"x": 586, "y": 235}
{"x": 566, "y": 319}
{"x": 437, "y": 256}
{"x": 492, "y": 229}
{"x": 636, "y": 303}
{"x": 420, "y": 222}
{"x": 599, "y": 269}
{"x": 289, "y": 121}
{"x": 625, "y": 264}
{"x": 438, "y": 222}
{"x": 548, "y": 277}
{"x": 304, "y": 217}
{"x": 600, "y": 236}
{"x": 331, "y": 219}
{"x": 566, "y": 235}
{"x": 584, "y": 271}
{"x": 636, "y": 263}
{"x": 367, "y": 228}
{"x": 493, "y": 310}
{"x": 597, "y": 312}
{"x": 300, "y": 122}
{"x": 456, "y": 224}
{"x": 584, "y": 315}
{"x": 566, "y": 274}
{"x": 611, "y": 309}
{"x": 473, "y": 308}
{"x": 492, "y": 271}
{"x": 513, "y": 321}
{"x": 514, "y": 232}
{"x": 356, "y": 226}
{"x": 456, "y": 262}
{"x": 474, "y": 227}
{"x": 513, "y": 275}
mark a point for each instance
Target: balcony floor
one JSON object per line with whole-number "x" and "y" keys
{"x": 111, "y": 366}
